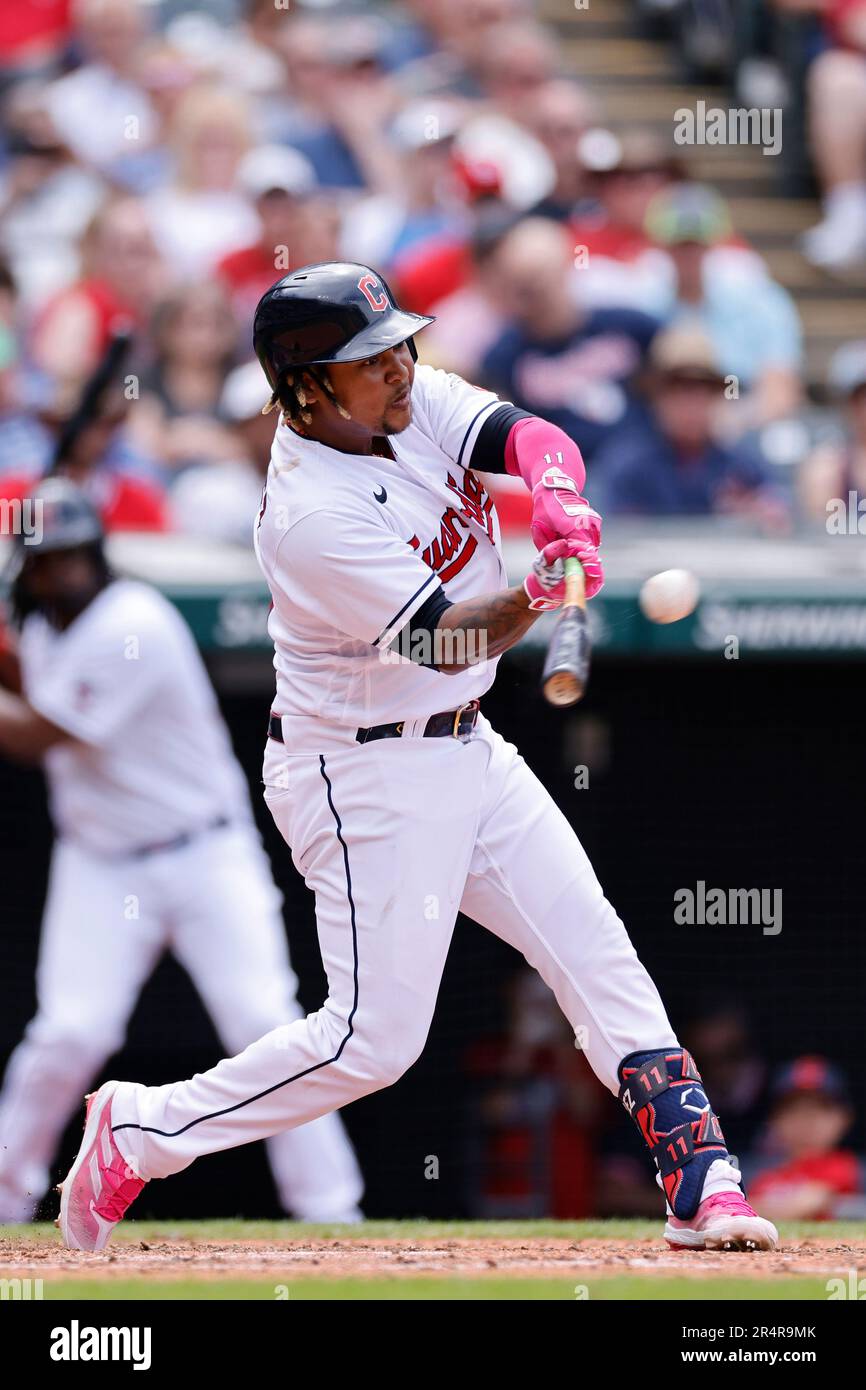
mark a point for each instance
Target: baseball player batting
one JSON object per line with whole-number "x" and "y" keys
{"x": 156, "y": 850}
{"x": 401, "y": 804}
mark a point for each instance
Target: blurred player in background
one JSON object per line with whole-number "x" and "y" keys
{"x": 156, "y": 850}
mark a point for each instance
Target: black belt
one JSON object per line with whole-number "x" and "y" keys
{"x": 180, "y": 841}
{"x": 453, "y": 723}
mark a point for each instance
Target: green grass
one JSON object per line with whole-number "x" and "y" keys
{"x": 236, "y": 1229}
{"x": 431, "y": 1288}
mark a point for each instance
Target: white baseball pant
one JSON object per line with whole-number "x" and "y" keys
{"x": 214, "y": 904}
{"x": 395, "y": 836}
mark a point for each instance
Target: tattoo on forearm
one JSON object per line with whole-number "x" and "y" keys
{"x": 500, "y": 619}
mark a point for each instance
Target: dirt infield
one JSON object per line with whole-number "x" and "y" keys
{"x": 357, "y": 1257}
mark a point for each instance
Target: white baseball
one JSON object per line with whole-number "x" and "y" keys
{"x": 669, "y": 596}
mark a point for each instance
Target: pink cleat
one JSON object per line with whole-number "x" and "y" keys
{"x": 722, "y": 1222}
{"x": 100, "y": 1185}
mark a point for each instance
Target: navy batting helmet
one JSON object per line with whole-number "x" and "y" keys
{"x": 331, "y": 312}
{"x": 62, "y": 517}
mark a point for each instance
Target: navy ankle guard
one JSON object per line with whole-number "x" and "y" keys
{"x": 664, "y": 1094}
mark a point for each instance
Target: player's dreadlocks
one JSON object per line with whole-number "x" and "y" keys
{"x": 291, "y": 397}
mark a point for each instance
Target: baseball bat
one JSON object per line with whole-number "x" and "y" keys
{"x": 566, "y": 668}
{"x": 93, "y": 393}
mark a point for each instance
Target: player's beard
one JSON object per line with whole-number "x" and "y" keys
{"x": 390, "y": 425}
{"x": 63, "y": 608}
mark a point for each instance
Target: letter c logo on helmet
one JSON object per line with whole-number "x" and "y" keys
{"x": 367, "y": 284}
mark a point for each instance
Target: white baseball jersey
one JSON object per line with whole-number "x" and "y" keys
{"x": 152, "y": 757}
{"x": 352, "y": 545}
{"x": 395, "y": 836}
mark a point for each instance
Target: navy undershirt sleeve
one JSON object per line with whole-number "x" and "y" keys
{"x": 488, "y": 456}
{"x": 415, "y": 640}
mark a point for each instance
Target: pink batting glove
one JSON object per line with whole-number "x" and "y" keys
{"x": 545, "y": 585}
{"x": 559, "y": 510}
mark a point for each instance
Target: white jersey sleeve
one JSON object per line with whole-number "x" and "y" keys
{"x": 98, "y": 682}
{"x": 451, "y": 411}
{"x": 353, "y": 575}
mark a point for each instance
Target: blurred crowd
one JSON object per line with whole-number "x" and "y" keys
{"x": 162, "y": 163}
{"x": 807, "y": 58}
{"x": 544, "y": 1140}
